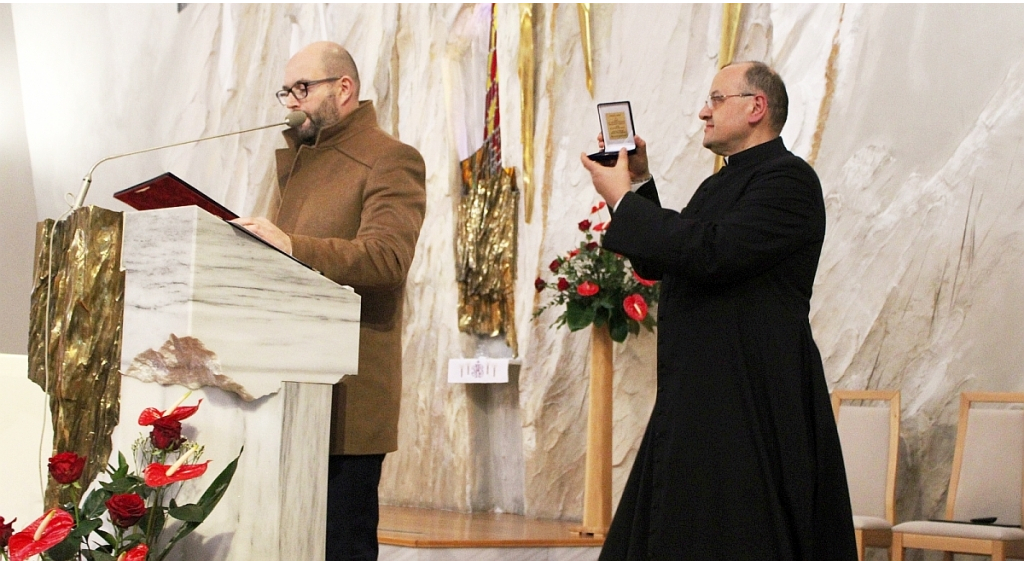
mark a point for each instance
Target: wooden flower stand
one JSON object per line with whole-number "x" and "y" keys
{"x": 597, "y": 486}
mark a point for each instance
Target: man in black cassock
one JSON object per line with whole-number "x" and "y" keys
{"x": 741, "y": 458}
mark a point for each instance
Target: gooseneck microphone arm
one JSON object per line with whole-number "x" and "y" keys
{"x": 293, "y": 119}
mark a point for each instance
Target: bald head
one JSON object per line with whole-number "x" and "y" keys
{"x": 330, "y": 81}
{"x": 335, "y": 61}
{"x": 760, "y": 76}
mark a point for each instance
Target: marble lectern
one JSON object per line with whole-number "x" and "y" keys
{"x": 260, "y": 338}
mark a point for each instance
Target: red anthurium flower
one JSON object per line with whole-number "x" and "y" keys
{"x": 601, "y": 226}
{"x": 41, "y": 535}
{"x": 563, "y": 284}
{"x": 555, "y": 264}
{"x": 643, "y": 281}
{"x": 66, "y": 467}
{"x": 584, "y": 225}
{"x": 587, "y": 288}
{"x": 158, "y": 475}
{"x": 635, "y": 306}
{"x": 574, "y": 252}
{"x": 151, "y": 414}
{"x": 598, "y": 207}
{"x": 6, "y": 530}
{"x": 540, "y": 284}
{"x": 137, "y": 552}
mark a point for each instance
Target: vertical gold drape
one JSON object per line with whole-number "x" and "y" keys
{"x": 527, "y": 70}
{"x": 583, "y": 10}
{"x": 731, "y": 14}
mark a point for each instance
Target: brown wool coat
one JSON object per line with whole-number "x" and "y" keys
{"x": 353, "y": 204}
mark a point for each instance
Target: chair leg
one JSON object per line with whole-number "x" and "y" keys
{"x": 896, "y": 547}
{"x": 946, "y": 555}
{"x": 859, "y": 535}
{"x": 998, "y": 551}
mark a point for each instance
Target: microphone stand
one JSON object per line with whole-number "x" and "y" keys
{"x": 293, "y": 119}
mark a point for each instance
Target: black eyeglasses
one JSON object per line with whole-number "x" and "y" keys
{"x": 301, "y": 89}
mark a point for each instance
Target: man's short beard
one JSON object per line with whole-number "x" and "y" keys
{"x": 324, "y": 116}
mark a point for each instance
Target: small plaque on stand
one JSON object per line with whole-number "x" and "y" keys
{"x": 617, "y": 130}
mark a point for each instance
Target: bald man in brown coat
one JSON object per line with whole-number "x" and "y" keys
{"x": 352, "y": 203}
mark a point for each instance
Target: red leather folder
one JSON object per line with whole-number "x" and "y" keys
{"x": 169, "y": 191}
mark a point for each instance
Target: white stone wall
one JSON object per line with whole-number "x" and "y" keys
{"x": 912, "y": 112}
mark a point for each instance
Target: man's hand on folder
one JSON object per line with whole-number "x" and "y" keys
{"x": 264, "y": 229}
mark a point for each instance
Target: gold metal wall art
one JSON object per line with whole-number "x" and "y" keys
{"x": 77, "y": 307}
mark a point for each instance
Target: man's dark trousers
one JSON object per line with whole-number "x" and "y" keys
{"x": 352, "y": 506}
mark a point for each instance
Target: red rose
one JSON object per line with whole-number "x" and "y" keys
{"x": 6, "y": 530}
{"x": 635, "y": 307}
{"x": 66, "y": 467}
{"x": 540, "y": 284}
{"x": 126, "y": 509}
{"x": 643, "y": 281}
{"x": 555, "y": 264}
{"x": 563, "y": 284}
{"x": 166, "y": 434}
{"x": 591, "y": 245}
{"x": 587, "y": 288}
{"x": 584, "y": 225}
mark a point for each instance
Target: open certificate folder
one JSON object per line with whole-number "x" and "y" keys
{"x": 169, "y": 191}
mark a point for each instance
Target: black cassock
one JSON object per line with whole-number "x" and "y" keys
{"x": 741, "y": 458}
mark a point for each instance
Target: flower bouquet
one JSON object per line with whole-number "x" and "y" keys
{"x": 138, "y": 509}
{"x": 600, "y": 287}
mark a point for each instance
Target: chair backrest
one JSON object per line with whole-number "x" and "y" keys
{"x": 988, "y": 460}
{"x": 870, "y": 438}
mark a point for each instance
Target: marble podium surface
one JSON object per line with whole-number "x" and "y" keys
{"x": 260, "y": 338}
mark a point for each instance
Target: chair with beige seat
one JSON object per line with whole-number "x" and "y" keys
{"x": 870, "y": 435}
{"x": 986, "y": 482}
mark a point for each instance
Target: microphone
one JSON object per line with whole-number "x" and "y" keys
{"x": 292, "y": 120}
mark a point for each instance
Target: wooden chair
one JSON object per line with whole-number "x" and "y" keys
{"x": 870, "y": 437}
{"x": 986, "y": 482}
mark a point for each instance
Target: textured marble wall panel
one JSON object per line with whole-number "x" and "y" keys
{"x": 911, "y": 112}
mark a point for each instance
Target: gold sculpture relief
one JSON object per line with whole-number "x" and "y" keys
{"x": 75, "y": 335}
{"x": 485, "y": 249}
{"x": 485, "y": 238}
